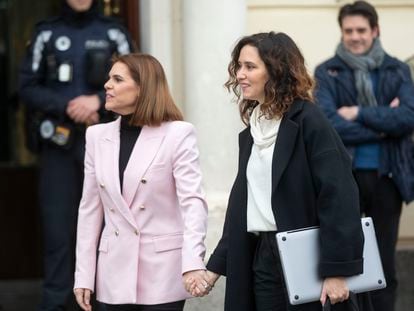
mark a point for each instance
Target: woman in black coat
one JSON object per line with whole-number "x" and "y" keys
{"x": 293, "y": 172}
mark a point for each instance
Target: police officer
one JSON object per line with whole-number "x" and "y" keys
{"x": 62, "y": 79}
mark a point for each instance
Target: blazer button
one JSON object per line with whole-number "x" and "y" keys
{"x": 116, "y": 232}
{"x": 102, "y": 185}
{"x": 143, "y": 180}
{"x": 136, "y": 232}
{"x": 112, "y": 209}
{"x": 141, "y": 207}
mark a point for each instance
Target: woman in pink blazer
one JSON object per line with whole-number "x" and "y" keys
{"x": 143, "y": 206}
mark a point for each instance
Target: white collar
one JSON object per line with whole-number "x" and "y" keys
{"x": 263, "y": 130}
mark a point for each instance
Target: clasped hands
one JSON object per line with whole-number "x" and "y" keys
{"x": 84, "y": 109}
{"x": 199, "y": 282}
{"x": 350, "y": 113}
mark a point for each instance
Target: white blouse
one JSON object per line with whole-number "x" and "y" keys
{"x": 259, "y": 173}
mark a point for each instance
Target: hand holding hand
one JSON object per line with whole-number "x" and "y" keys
{"x": 212, "y": 277}
{"x": 336, "y": 289}
{"x": 200, "y": 289}
{"x": 83, "y": 298}
{"x": 196, "y": 283}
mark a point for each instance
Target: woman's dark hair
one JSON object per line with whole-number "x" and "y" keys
{"x": 154, "y": 104}
{"x": 288, "y": 77}
{"x": 359, "y": 8}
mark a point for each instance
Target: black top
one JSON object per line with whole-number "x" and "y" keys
{"x": 128, "y": 136}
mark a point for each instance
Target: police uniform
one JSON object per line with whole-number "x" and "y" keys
{"x": 69, "y": 56}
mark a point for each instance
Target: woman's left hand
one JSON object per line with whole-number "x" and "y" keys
{"x": 336, "y": 289}
{"x": 83, "y": 298}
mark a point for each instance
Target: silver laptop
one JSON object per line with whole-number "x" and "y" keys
{"x": 299, "y": 254}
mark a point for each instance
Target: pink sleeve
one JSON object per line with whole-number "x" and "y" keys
{"x": 187, "y": 174}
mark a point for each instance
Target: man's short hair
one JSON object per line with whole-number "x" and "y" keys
{"x": 359, "y": 8}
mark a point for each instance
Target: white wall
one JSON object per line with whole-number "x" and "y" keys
{"x": 210, "y": 28}
{"x": 193, "y": 40}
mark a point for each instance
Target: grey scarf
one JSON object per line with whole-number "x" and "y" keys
{"x": 361, "y": 65}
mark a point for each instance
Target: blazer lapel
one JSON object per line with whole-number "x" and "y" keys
{"x": 143, "y": 153}
{"x": 109, "y": 169}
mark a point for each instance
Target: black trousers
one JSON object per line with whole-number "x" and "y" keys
{"x": 381, "y": 200}
{"x": 268, "y": 283}
{"x": 171, "y": 306}
{"x": 60, "y": 188}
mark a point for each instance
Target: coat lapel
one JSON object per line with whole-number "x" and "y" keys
{"x": 240, "y": 185}
{"x": 285, "y": 144}
{"x": 245, "y": 143}
{"x": 343, "y": 80}
{"x": 143, "y": 153}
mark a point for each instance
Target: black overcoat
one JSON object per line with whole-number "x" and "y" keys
{"x": 312, "y": 184}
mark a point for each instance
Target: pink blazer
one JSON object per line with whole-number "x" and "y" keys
{"x": 154, "y": 231}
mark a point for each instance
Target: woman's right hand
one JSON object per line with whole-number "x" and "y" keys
{"x": 83, "y": 298}
{"x": 336, "y": 289}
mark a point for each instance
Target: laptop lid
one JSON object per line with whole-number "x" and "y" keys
{"x": 299, "y": 255}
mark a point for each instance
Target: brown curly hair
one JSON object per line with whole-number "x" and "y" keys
{"x": 288, "y": 77}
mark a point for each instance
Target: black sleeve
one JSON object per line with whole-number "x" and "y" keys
{"x": 393, "y": 121}
{"x": 351, "y": 132}
{"x": 33, "y": 75}
{"x": 218, "y": 259}
{"x": 341, "y": 235}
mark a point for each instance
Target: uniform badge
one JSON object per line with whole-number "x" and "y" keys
{"x": 62, "y": 43}
{"x": 47, "y": 129}
{"x": 61, "y": 136}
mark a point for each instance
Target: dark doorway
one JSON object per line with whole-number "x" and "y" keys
{"x": 18, "y": 169}
{"x": 4, "y": 109}
{"x": 19, "y": 216}
{"x": 128, "y": 12}
{"x": 20, "y": 229}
